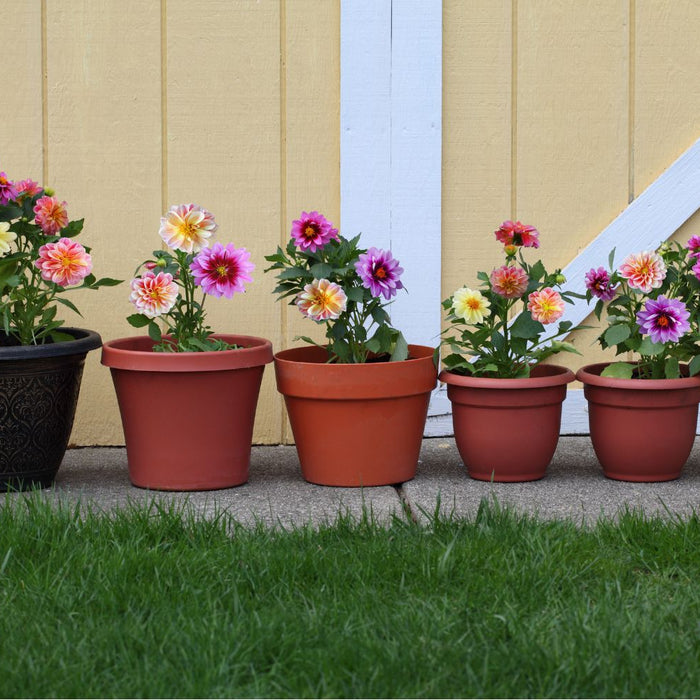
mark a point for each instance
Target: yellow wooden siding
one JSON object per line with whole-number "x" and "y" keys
{"x": 554, "y": 112}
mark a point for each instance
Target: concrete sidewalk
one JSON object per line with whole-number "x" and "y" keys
{"x": 276, "y": 494}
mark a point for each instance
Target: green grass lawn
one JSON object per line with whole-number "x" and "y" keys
{"x": 154, "y": 603}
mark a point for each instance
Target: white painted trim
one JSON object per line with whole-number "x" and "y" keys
{"x": 646, "y": 223}
{"x": 391, "y": 146}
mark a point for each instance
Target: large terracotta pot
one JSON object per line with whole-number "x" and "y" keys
{"x": 507, "y": 429}
{"x": 39, "y": 387}
{"x": 641, "y": 429}
{"x": 187, "y": 417}
{"x": 356, "y": 424}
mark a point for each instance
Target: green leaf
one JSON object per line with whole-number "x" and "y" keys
{"x": 537, "y": 271}
{"x": 138, "y": 320}
{"x": 616, "y": 334}
{"x": 649, "y": 348}
{"x": 72, "y": 229}
{"x": 619, "y": 370}
{"x": 59, "y": 337}
{"x": 8, "y": 213}
{"x": 107, "y": 282}
{"x": 356, "y": 294}
{"x": 525, "y": 326}
{"x": 69, "y": 304}
{"x": 321, "y": 271}
{"x": 694, "y": 366}
{"x": 611, "y": 259}
{"x": 672, "y": 369}
{"x": 154, "y": 331}
{"x": 400, "y": 349}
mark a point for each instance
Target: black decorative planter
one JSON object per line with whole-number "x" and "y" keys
{"x": 39, "y": 386}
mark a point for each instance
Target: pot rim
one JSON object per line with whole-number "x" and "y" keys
{"x": 84, "y": 341}
{"x": 289, "y": 355}
{"x": 117, "y": 354}
{"x": 558, "y": 375}
{"x": 590, "y": 374}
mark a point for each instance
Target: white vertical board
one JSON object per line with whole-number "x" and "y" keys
{"x": 391, "y": 145}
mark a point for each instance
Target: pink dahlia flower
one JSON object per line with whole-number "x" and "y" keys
{"x": 8, "y": 189}
{"x": 664, "y": 319}
{"x": 222, "y": 271}
{"x": 312, "y": 231}
{"x": 322, "y": 300}
{"x": 598, "y": 283}
{"x": 693, "y": 246}
{"x": 51, "y": 215}
{"x": 153, "y": 295}
{"x": 643, "y": 271}
{"x": 696, "y": 269}
{"x": 518, "y": 234}
{"x": 545, "y": 306}
{"x": 64, "y": 262}
{"x": 509, "y": 281}
{"x": 379, "y": 272}
{"x": 187, "y": 227}
{"x": 27, "y": 188}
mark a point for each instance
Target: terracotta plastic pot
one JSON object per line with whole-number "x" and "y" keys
{"x": 188, "y": 417}
{"x": 508, "y": 429}
{"x": 358, "y": 424}
{"x": 641, "y": 429}
{"x": 39, "y": 387}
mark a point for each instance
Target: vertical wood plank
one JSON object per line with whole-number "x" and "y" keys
{"x": 476, "y": 136}
{"x": 666, "y": 105}
{"x": 572, "y": 127}
{"x": 21, "y": 132}
{"x": 223, "y": 107}
{"x": 104, "y": 160}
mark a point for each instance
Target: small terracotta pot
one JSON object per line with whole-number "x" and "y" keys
{"x": 641, "y": 429}
{"x": 356, "y": 424}
{"x": 508, "y": 429}
{"x": 188, "y": 417}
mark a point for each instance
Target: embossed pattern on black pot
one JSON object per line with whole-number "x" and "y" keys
{"x": 39, "y": 387}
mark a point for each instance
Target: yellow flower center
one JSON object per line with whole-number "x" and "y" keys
{"x": 473, "y": 304}
{"x": 222, "y": 271}
{"x": 310, "y": 231}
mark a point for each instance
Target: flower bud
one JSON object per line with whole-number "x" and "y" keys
{"x": 150, "y": 265}
{"x": 49, "y": 191}
{"x": 510, "y": 250}
{"x": 560, "y": 279}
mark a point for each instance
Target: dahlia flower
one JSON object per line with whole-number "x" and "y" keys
{"x": 471, "y": 305}
{"x": 643, "y": 271}
{"x": 27, "y": 188}
{"x": 545, "y": 306}
{"x": 696, "y": 269}
{"x": 312, "y": 231}
{"x": 152, "y": 294}
{"x": 509, "y": 281}
{"x": 6, "y": 237}
{"x": 379, "y": 272}
{"x": 518, "y": 234}
{"x": 222, "y": 271}
{"x": 693, "y": 246}
{"x": 187, "y": 227}
{"x": 598, "y": 283}
{"x": 8, "y": 189}
{"x": 322, "y": 300}
{"x": 51, "y": 215}
{"x": 64, "y": 262}
{"x": 664, "y": 319}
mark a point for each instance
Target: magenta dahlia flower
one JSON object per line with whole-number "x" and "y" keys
{"x": 51, "y": 215}
{"x": 696, "y": 269}
{"x": 153, "y": 295}
{"x": 8, "y": 190}
{"x": 664, "y": 319}
{"x": 379, "y": 272}
{"x": 222, "y": 271}
{"x": 509, "y": 281}
{"x": 64, "y": 262}
{"x": 598, "y": 283}
{"x": 312, "y": 231}
{"x": 518, "y": 234}
{"x": 693, "y": 246}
